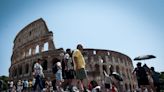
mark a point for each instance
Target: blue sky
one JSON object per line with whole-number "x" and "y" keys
{"x": 132, "y": 27}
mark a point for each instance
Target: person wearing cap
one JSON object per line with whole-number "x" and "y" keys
{"x": 79, "y": 66}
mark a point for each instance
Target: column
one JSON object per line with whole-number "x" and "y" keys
{"x": 51, "y": 45}
{"x": 49, "y": 63}
{"x": 33, "y": 50}
{"x": 41, "y": 48}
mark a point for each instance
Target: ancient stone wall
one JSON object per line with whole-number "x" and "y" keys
{"x": 33, "y": 42}
{"x": 99, "y": 60}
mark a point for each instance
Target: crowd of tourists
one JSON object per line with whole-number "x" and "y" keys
{"x": 70, "y": 75}
{"x": 148, "y": 78}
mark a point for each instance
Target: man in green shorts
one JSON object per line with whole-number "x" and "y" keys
{"x": 79, "y": 66}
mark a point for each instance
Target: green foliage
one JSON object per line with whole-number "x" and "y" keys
{"x": 162, "y": 75}
{"x": 162, "y": 80}
{"x": 4, "y": 81}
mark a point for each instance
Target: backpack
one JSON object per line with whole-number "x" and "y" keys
{"x": 155, "y": 77}
{"x": 54, "y": 68}
{"x": 141, "y": 72}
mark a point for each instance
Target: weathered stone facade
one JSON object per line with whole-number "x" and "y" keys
{"x": 30, "y": 43}
{"x": 98, "y": 60}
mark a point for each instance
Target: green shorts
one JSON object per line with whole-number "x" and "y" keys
{"x": 81, "y": 74}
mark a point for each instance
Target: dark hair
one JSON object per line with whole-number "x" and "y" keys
{"x": 38, "y": 60}
{"x": 79, "y": 46}
{"x": 94, "y": 83}
{"x": 139, "y": 64}
{"x": 152, "y": 68}
{"x": 67, "y": 50}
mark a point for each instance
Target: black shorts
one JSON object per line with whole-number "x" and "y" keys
{"x": 107, "y": 86}
{"x": 70, "y": 74}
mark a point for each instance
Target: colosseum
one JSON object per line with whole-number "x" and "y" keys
{"x": 36, "y": 41}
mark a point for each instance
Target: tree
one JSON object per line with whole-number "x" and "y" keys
{"x": 4, "y": 82}
{"x": 162, "y": 80}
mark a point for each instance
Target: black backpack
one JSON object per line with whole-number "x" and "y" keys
{"x": 54, "y": 68}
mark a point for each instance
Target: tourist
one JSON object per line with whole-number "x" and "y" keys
{"x": 141, "y": 77}
{"x": 59, "y": 78}
{"x": 38, "y": 73}
{"x": 79, "y": 66}
{"x": 54, "y": 70}
{"x": 1, "y": 83}
{"x": 30, "y": 85}
{"x": 155, "y": 76}
{"x": 48, "y": 85}
{"x": 19, "y": 86}
{"x": 69, "y": 67}
{"x": 150, "y": 79}
{"x": 25, "y": 86}
{"x": 94, "y": 86}
{"x": 107, "y": 82}
{"x": 11, "y": 85}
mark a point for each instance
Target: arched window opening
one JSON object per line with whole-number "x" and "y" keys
{"x": 33, "y": 66}
{"x": 44, "y": 64}
{"x": 97, "y": 69}
{"x": 130, "y": 87}
{"x": 23, "y": 55}
{"x": 126, "y": 87}
{"x": 46, "y": 46}
{"x": 27, "y": 68}
{"x": 111, "y": 69}
{"x": 94, "y": 52}
{"x": 104, "y": 60}
{"x": 105, "y": 68}
{"x": 37, "y": 49}
{"x": 29, "y": 52}
{"x": 20, "y": 70}
{"x": 117, "y": 69}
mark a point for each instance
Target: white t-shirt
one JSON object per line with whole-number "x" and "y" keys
{"x": 69, "y": 62}
{"x": 11, "y": 84}
{"x": 95, "y": 89}
{"x": 38, "y": 70}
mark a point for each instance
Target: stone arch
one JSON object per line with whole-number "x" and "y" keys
{"x": 30, "y": 52}
{"x": 117, "y": 69}
{"x": 111, "y": 69}
{"x": 16, "y": 72}
{"x": 20, "y": 69}
{"x": 37, "y": 49}
{"x": 44, "y": 64}
{"x": 26, "y": 68}
{"x": 123, "y": 72}
{"x": 126, "y": 87}
{"x": 104, "y": 68}
{"x": 127, "y": 73}
{"x": 23, "y": 54}
{"x": 130, "y": 87}
{"x": 103, "y": 58}
{"x": 46, "y": 46}
{"x": 97, "y": 69}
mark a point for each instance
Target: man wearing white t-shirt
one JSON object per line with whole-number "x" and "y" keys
{"x": 38, "y": 73}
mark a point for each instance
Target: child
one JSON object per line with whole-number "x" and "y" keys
{"x": 59, "y": 78}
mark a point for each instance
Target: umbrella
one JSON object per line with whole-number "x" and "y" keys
{"x": 144, "y": 57}
{"x": 117, "y": 76}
